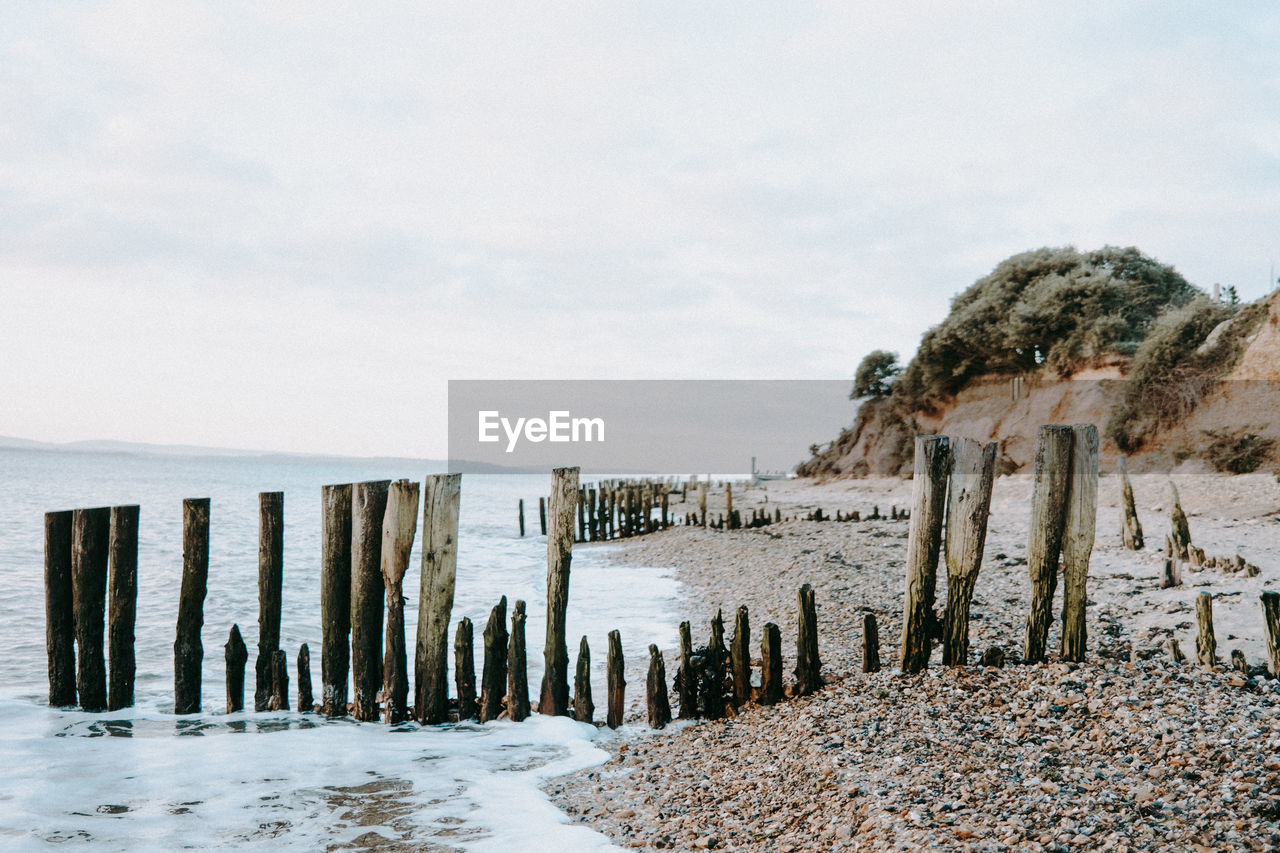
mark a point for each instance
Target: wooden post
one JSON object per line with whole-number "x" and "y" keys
{"x": 368, "y": 508}
{"x": 1271, "y": 615}
{"x": 771, "y": 665}
{"x": 554, "y": 696}
{"x": 122, "y": 605}
{"x": 493, "y": 677}
{"x": 1206, "y": 644}
{"x": 188, "y": 652}
{"x": 666, "y": 521}
{"x": 1050, "y": 487}
{"x": 617, "y": 684}
{"x": 306, "y": 702}
{"x": 993, "y": 656}
{"x": 687, "y": 683}
{"x": 929, "y": 496}
{"x": 582, "y": 522}
{"x": 542, "y": 515}
{"x": 702, "y": 503}
{"x": 656, "y": 690}
{"x": 808, "y": 668}
{"x": 1181, "y": 532}
{"x": 871, "y": 643}
{"x": 584, "y": 710}
{"x": 520, "y": 513}
{"x": 517, "y": 668}
{"x": 278, "y": 696}
{"x": 59, "y": 609}
{"x": 728, "y": 503}
{"x": 712, "y": 685}
{"x": 1130, "y": 527}
{"x": 741, "y": 656}
{"x": 973, "y": 467}
{"x": 236, "y": 656}
{"x": 1078, "y": 537}
{"x": 335, "y": 598}
{"x": 270, "y": 589}
{"x": 1238, "y": 662}
{"x": 464, "y": 669}
{"x": 440, "y": 502}
{"x": 399, "y": 526}
{"x": 1174, "y": 651}
{"x": 90, "y": 532}
{"x": 1171, "y": 573}
{"x": 592, "y": 531}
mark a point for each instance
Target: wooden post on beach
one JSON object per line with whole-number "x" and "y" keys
{"x": 1174, "y": 651}
{"x": 236, "y": 656}
{"x": 712, "y": 685}
{"x": 542, "y": 515}
{"x": 59, "y": 609}
{"x": 1239, "y": 663}
{"x": 306, "y": 702}
{"x": 1077, "y": 539}
{"x": 270, "y": 589}
{"x": 335, "y": 598}
{"x": 656, "y": 690}
{"x": 1130, "y": 527}
{"x": 493, "y": 677}
{"x": 740, "y": 653}
{"x": 464, "y": 669}
{"x": 90, "y": 546}
{"x": 278, "y": 695}
{"x": 929, "y": 496}
{"x": 1271, "y": 615}
{"x": 368, "y": 508}
{"x": 584, "y": 709}
{"x": 702, "y": 503}
{"x": 441, "y": 499}
{"x": 728, "y": 505}
{"x": 871, "y": 643}
{"x": 687, "y": 684}
{"x": 1181, "y": 532}
{"x": 770, "y": 664}
{"x": 1171, "y": 573}
{"x": 122, "y": 605}
{"x": 973, "y": 467}
{"x": 1206, "y": 644}
{"x": 188, "y": 652}
{"x": 517, "y": 667}
{"x": 554, "y": 695}
{"x": 617, "y": 684}
{"x": 808, "y": 668}
{"x": 1049, "y": 498}
{"x": 399, "y": 526}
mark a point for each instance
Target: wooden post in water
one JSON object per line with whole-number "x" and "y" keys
{"x": 1130, "y": 528}
{"x": 928, "y": 497}
{"x": 236, "y": 655}
{"x": 973, "y": 467}
{"x": 584, "y": 710}
{"x": 1206, "y": 644}
{"x": 542, "y": 515}
{"x": 188, "y": 652}
{"x": 335, "y": 598}
{"x": 808, "y": 668}
{"x": 90, "y": 532}
{"x": 1050, "y": 488}
{"x": 582, "y": 519}
{"x": 270, "y": 589}
{"x": 493, "y": 677}
{"x": 554, "y": 696}
{"x": 368, "y": 508}
{"x": 440, "y": 503}
{"x": 740, "y": 652}
{"x": 771, "y": 665}
{"x": 306, "y": 702}
{"x": 592, "y": 532}
{"x": 517, "y": 667}
{"x": 617, "y": 684}
{"x": 278, "y": 695}
{"x": 399, "y": 526}
{"x": 122, "y": 605}
{"x": 687, "y": 684}
{"x": 1077, "y": 539}
{"x": 870, "y": 643}
{"x": 1271, "y": 615}
{"x": 656, "y": 690}
{"x": 59, "y": 609}
{"x": 464, "y": 669}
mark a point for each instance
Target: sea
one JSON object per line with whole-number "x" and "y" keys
{"x": 145, "y": 779}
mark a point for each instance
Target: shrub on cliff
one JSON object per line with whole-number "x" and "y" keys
{"x": 875, "y": 374}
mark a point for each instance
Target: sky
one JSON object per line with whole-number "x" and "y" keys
{"x": 286, "y": 226}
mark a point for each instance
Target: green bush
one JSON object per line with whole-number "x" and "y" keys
{"x": 875, "y": 373}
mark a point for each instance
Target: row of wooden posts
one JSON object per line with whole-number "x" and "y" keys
{"x": 1207, "y": 644}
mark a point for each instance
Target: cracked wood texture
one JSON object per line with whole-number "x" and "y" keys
{"x": 1050, "y": 486}
{"x": 1077, "y": 539}
{"x": 973, "y": 467}
{"x": 554, "y": 696}
{"x": 399, "y": 526}
{"x": 928, "y": 504}
{"x": 440, "y": 502}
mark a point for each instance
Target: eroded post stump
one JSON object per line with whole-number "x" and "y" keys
{"x": 771, "y": 664}
{"x": 808, "y": 668}
{"x": 928, "y": 496}
{"x": 306, "y": 702}
{"x": 617, "y": 684}
{"x": 236, "y": 655}
{"x": 686, "y": 682}
{"x": 517, "y": 667}
{"x": 493, "y": 676}
{"x": 464, "y": 669}
{"x": 584, "y": 710}
{"x": 656, "y": 690}
{"x": 870, "y": 643}
{"x": 1130, "y": 527}
{"x": 1206, "y": 644}
{"x": 554, "y": 696}
{"x": 1050, "y": 489}
{"x": 740, "y": 651}
{"x": 278, "y": 695}
{"x": 188, "y": 652}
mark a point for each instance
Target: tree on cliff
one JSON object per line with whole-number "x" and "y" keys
{"x": 875, "y": 374}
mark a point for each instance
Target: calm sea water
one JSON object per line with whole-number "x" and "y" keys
{"x": 145, "y": 779}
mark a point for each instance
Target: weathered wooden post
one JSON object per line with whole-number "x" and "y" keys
{"x": 122, "y": 607}
{"x": 335, "y": 598}
{"x": 582, "y": 521}
{"x": 59, "y": 609}
{"x": 517, "y": 667}
{"x": 1170, "y": 573}
{"x": 808, "y": 668}
{"x": 740, "y": 652}
{"x": 554, "y": 696}
{"x": 929, "y": 497}
{"x": 188, "y": 652}
{"x": 368, "y": 508}
{"x": 464, "y": 669}
{"x": 1130, "y": 528}
{"x": 440, "y": 502}
{"x": 656, "y": 690}
{"x": 1078, "y": 537}
{"x": 1174, "y": 651}
{"x": 687, "y": 684}
{"x": 771, "y": 665}
{"x": 493, "y": 677}
{"x": 728, "y": 503}
{"x": 1271, "y": 615}
{"x": 666, "y": 521}
{"x": 399, "y": 526}
{"x": 236, "y": 655}
{"x": 1050, "y": 488}
{"x": 270, "y": 589}
{"x": 542, "y": 515}
{"x": 617, "y": 684}
{"x": 711, "y": 689}
{"x": 1181, "y": 532}
{"x": 1239, "y": 663}
{"x": 584, "y": 710}
{"x": 702, "y": 503}
{"x": 278, "y": 695}
{"x": 306, "y": 702}
{"x": 90, "y": 532}
{"x": 520, "y": 513}
{"x": 592, "y": 532}
{"x": 871, "y": 643}
{"x": 973, "y": 467}
{"x": 1206, "y": 644}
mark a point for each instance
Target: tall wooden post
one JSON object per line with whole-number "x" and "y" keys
{"x": 870, "y": 643}
{"x": 542, "y": 515}
{"x": 270, "y": 589}
{"x": 617, "y": 684}
{"x": 702, "y": 503}
{"x": 656, "y": 698}
{"x": 440, "y": 504}
{"x": 973, "y": 467}
{"x": 740, "y": 652}
{"x": 236, "y": 656}
{"x": 928, "y": 501}
{"x": 808, "y": 667}
{"x": 493, "y": 678}
{"x": 517, "y": 667}
{"x": 584, "y": 709}
{"x": 687, "y": 683}
{"x": 90, "y": 531}
{"x": 520, "y": 515}
{"x": 1130, "y": 528}
{"x": 122, "y": 609}
{"x": 1051, "y": 486}
{"x": 771, "y": 665}
{"x": 1206, "y": 644}
{"x": 554, "y": 696}
{"x": 1271, "y": 617}
{"x": 59, "y": 609}
{"x": 368, "y": 508}
{"x": 1077, "y": 538}
{"x": 399, "y": 526}
{"x": 188, "y": 651}
{"x": 335, "y": 598}
{"x": 464, "y": 669}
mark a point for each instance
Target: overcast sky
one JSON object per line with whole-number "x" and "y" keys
{"x": 286, "y": 225}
